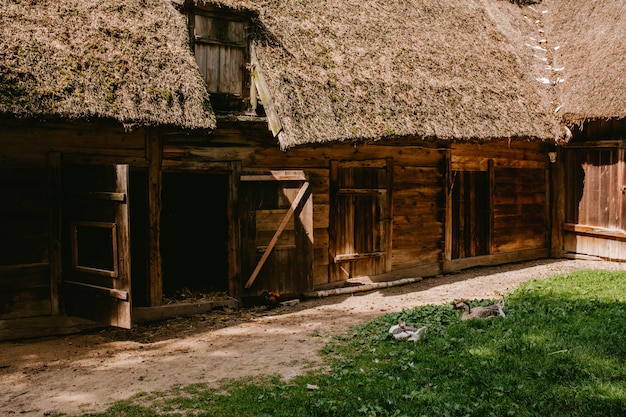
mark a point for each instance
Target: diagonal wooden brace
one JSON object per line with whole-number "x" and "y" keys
{"x": 294, "y": 204}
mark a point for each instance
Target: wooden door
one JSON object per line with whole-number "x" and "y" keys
{"x": 277, "y": 233}
{"x": 96, "y": 243}
{"x": 471, "y": 214}
{"x": 360, "y": 218}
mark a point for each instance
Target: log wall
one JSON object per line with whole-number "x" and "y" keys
{"x": 27, "y": 285}
{"x": 420, "y": 206}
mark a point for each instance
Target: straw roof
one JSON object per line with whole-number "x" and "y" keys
{"x": 128, "y": 61}
{"x": 589, "y": 43}
{"x": 366, "y": 69}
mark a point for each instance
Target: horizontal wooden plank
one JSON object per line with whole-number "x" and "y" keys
{"x": 111, "y": 292}
{"x": 321, "y": 215}
{"x": 426, "y": 269}
{"x": 176, "y": 155}
{"x": 477, "y": 163}
{"x": 498, "y": 259}
{"x": 362, "y": 191}
{"x": 320, "y": 275}
{"x": 319, "y": 156}
{"x": 145, "y": 314}
{"x": 276, "y": 175}
{"x": 42, "y": 326}
{"x": 357, "y": 256}
{"x": 270, "y": 219}
{"x": 595, "y": 231}
{"x": 13, "y": 277}
{"x": 98, "y": 196}
{"x": 519, "y": 244}
{"x": 406, "y": 258}
{"x": 27, "y": 302}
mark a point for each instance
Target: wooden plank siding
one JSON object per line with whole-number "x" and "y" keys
{"x": 595, "y": 212}
{"x": 516, "y": 204}
{"x": 404, "y": 185}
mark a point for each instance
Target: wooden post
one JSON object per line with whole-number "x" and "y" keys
{"x": 491, "y": 181}
{"x": 155, "y": 273}
{"x": 557, "y": 200}
{"x": 388, "y": 217}
{"x": 234, "y": 231}
{"x": 54, "y": 187}
{"x": 449, "y": 184}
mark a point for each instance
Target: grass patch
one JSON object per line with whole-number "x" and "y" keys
{"x": 560, "y": 351}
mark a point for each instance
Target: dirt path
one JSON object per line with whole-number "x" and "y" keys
{"x": 89, "y": 372}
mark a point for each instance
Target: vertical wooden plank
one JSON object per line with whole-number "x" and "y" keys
{"x": 305, "y": 243}
{"x": 155, "y": 273}
{"x": 490, "y": 245}
{"x": 234, "y": 231}
{"x": 460, "y": 228}
{"x": 449, "y": 181}
{"x": 613, "y": 190}
{"x": 122, "y": 220}
{"x": 333, "y": 223}
{"x": 472, "y": 240}
{"x": 388, "y": 215}
{"x": 54, "y": 175}
{"x": 621, "y": 195}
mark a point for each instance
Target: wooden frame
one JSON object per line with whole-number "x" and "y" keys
{"x": 113, "y": 273}
{"x": 233, "y": 170}
{"x": 385, "y": 204}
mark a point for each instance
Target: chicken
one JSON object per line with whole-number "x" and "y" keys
{"x": 271, "y": 298}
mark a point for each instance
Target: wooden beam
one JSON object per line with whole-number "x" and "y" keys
{"x": 356, "y": 256}
{"x": 491, "y": 181}
{"x": 276, "y": 175}
{"x": 259, "y": 81}
{"x": 113, "y": 293}
{"x": 234, "y": 231}
{"x": 54, "y": 188}
{"x": 155, "y": 273}
{"x": 281, "y": 227}
{"x": 496, "y": 259}
{"x": 601, "y": 232}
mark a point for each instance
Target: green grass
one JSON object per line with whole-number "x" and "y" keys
{"x": 561, "y": 351}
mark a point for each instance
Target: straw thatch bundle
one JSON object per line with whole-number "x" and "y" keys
{"x": 125, "y": 60}
{"x": 591, "y": 41}
{"x": 366, "y": 69}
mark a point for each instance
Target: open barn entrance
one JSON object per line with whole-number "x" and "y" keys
{"x": 194, "y": 234}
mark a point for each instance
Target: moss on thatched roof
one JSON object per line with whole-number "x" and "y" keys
{"x": 590, "y": 42}
{"x": 370, "y": 69}
{"x": 124, "y": 60}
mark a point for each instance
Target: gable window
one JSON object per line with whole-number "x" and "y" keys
{"x": 221, "y": 49}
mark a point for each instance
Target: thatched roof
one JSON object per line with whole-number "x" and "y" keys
{"x": 590, "y": 42}
{"x": 371, "y": 69}
{"x": 124, "y": 60}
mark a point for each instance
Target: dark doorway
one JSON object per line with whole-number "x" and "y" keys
{"x": 139, "y": 237}
{"x": 194, "y": 233}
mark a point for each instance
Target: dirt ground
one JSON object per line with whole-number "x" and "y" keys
{"x": 88, "y": 372}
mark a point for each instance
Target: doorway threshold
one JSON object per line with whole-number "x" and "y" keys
{"x": 146, "y": 314}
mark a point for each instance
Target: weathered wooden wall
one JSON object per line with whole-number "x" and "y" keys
{"x": 594, "y": 212}
{"x": 518, "y": 200}
{"x": 28, "y": 286}
{"x": 419, "y": 179}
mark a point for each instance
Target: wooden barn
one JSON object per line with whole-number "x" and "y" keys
{"x": 344, "y": 142}
{"x": 590, "y": 88}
